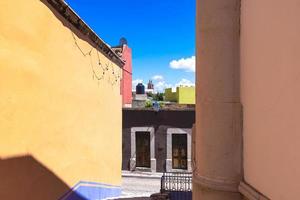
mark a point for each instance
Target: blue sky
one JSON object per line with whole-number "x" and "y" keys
{"x": 158, "y": 31}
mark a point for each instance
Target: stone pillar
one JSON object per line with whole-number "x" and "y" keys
{"x": 218, "y": 139}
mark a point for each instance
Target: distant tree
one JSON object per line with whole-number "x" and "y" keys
{"x": 148, "y": 104}
{"x": 150, "y": 94}
{"x": 158, "y": 97}
{"x": 161, "y": 104}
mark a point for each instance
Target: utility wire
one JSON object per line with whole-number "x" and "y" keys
{"x": 116, "y": 77}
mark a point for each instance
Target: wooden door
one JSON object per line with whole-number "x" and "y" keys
{"x": 143, "y": 149}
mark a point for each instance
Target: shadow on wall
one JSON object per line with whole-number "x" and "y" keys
{"x": 67, "y": 24}
{"x": 72, "y": 28}
{"x": 25, "y": 178}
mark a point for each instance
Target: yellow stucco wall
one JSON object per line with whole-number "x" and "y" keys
{"x": 183, "y": 95}
{"x": 186, "y": 95}
{"x": 51, "y": 107}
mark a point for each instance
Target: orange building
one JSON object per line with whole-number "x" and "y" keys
{"x": 60, "y": 105}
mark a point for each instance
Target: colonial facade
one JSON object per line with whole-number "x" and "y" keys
{"x": 157, "y": 141}
{"x": 60, "y": 116}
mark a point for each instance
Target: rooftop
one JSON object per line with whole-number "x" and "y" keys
{"x": 70, "y": 15}
{"x": 174, "y": 107}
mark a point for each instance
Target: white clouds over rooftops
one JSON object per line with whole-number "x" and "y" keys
{"x": 158, "y": 78}
{"x": 187, "y": 64}
{"x": 160, "y": 84}
{"x": 185, "y": 82}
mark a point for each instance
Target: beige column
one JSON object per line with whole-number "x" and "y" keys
{"x": 218, "y": 140}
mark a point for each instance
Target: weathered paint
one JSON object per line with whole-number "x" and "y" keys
{"x": 270, "y": 85}
{"x": 51, "y": 107}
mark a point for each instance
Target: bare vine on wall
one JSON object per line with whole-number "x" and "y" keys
{"x": 102, "y": 69}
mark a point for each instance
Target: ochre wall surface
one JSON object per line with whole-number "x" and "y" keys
{"x": 183, "y": 95}
{"x": 270, "y": 85}
{"x": 52, "y": 110}
{"x": 186, "y": 95}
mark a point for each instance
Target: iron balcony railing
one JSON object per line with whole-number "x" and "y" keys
{"x": 176, "y": 181}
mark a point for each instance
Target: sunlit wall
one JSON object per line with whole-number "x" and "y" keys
{"x": 57, "y": 107}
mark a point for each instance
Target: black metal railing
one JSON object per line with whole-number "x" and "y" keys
{"x": 176, "y": 181}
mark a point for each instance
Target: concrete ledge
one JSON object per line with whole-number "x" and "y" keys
{"x": 216, "y": 184}
{"x": 141, "y": 174}
{"x": 250, "y": 193}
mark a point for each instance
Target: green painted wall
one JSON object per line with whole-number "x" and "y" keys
{"x": 170, "y": 96}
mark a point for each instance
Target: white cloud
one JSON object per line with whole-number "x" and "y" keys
{"x": 158, "y": 78}
{"x": 185, "y": 82}
{"x": 161, "y": 86}
{"x": 187, "y": 64}
{"x": 135, "y": 82}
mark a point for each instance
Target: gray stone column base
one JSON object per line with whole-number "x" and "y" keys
{"x": 132, "y": 164}
{"x": 189, "y": 165}
{"x": 169, "y": 165}
{"x": 153, "y": 165}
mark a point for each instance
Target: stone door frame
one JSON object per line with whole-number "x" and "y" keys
{"x": 170, "y": 132}
{"x": 133, "y": 148}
